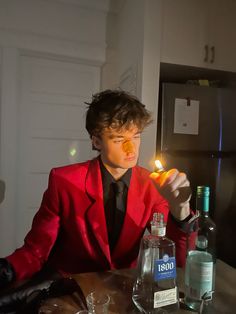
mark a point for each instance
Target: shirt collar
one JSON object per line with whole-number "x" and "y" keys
{"x": 107, "y": 178}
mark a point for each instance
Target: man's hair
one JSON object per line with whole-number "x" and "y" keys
{"x": 115, "y": 109}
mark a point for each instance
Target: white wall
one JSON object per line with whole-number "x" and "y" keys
{"x": 150, "y": 76}
{"x": 109, "y": 78}
{"x": 136, "y": 62}
{"x": 55, "y": 26}
{"x": 8, "y": 129}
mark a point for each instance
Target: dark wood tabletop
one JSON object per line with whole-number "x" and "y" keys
{"x": 118, "y": 284}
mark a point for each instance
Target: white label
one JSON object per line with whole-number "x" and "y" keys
{"x": 158, "y": 231}
{"x": 165, "y": 297}
{"x": 199, "y": 275}
{"x": 201, "y": 279}
{"x": 186, "y": 116}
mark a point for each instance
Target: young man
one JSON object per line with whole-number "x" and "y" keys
{"x": 81, "y": 226}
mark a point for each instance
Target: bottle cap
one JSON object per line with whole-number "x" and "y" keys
{"x": 203, "y": 190}
{"x": 203, "y": 193}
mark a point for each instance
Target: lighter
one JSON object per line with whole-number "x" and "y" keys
{"x": 159, "y": 168}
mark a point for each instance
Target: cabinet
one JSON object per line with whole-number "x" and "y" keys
{"x": 199, "y": 33}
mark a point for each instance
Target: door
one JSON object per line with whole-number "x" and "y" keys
{"x": 227, "y": 98}
{"x": 51, "y": 127}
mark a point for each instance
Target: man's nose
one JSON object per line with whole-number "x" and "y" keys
{"x": 128, "y": 147}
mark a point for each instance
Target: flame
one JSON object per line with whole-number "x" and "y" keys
{"x": 158, "y": 165}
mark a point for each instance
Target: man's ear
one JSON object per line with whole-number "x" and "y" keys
{"x": 96, "y": 142}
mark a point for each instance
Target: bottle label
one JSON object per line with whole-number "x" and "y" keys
{"x": 165, "y": 268}
{"x": 158, "y": 231}
{"x": 199, "y": 275}
{"x": 165, "y": 297}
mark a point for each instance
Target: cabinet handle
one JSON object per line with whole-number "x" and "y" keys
{"x": 206, "y": 53}
{"x": 212, "y": 54}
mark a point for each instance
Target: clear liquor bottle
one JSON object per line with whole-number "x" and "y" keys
{"x": 155, "y": 290}
{"x": 201, "y": 257}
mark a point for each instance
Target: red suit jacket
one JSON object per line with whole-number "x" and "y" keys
{"x": 69, "y": 230}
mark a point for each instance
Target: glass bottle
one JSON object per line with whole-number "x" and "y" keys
{"x": 155, "y": 289}
{"x": 201, "y": 256}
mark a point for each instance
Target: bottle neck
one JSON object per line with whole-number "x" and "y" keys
{"x": 158, "y": 231}
{"x": 158, "y": 226}
{"x": 202, "y": 205}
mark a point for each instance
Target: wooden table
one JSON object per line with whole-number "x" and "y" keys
{"x": 119, "y": 284}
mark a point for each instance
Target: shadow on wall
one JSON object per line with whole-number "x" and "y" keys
{"x": 2, "y": 190}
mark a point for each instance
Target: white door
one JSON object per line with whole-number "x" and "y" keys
{"x": 51, "y": 127}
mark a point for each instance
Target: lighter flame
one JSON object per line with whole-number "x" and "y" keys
{"x": 158, "y": 165}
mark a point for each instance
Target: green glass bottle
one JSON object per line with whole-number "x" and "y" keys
{"x": 201, "y": 256}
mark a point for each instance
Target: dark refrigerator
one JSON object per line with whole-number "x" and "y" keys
{"x": 196, "y": 134}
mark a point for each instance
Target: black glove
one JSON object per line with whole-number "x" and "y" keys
{"x": 28, "y": 297}
{"x": 7, "y": 273}
{"x": 58, "y": 288}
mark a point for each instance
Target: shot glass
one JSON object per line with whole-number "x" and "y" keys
{"x": 98, "y": 302}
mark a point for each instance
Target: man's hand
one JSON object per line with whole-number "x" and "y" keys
{"x": 175, "y": 188}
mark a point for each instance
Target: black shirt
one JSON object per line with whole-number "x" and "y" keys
{"x": 114, "y": 217}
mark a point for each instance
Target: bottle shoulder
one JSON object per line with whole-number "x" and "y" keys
{"x": 155, "y": 241}
{"x": 199, "y": 256}
{"x": 206, "y": 221}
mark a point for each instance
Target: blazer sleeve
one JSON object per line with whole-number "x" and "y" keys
{"x": 38, "y": 243}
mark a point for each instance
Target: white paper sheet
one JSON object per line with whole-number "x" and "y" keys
{"x": 186, "y": 116}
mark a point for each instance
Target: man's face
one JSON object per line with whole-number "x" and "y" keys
{"x": 119, "y": 149}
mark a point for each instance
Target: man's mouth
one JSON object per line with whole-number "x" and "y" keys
{"x": 130, "y": 158}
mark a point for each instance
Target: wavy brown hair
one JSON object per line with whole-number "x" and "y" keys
{"x": 115, "y": 109}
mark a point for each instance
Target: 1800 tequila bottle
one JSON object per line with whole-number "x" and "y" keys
{"x": 155, "y": 289}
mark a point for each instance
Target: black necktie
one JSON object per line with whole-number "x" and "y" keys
{"x": 118, "y": 213}
{"x": 119, "y": 190}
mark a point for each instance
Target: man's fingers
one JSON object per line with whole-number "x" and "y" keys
{"x": 154, "y": 175}
{"x": 175, "y": 188}
{"x": 173, "y": 185}
{"x": 184, "y": 195}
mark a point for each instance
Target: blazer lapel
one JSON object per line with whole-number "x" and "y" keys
{"x": 96, "y": 213}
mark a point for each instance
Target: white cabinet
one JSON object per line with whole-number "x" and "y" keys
{"x": 222, "y": 33}
{"x": 199, "y": 33}
{"x": 183, "y": 31}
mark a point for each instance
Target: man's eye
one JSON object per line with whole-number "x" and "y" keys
{"x": 118, "y": 141}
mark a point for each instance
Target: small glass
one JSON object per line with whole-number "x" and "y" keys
{"x": 98, "y": 303}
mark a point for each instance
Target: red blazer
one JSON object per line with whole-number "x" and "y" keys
{"x": 69, "y": 229}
